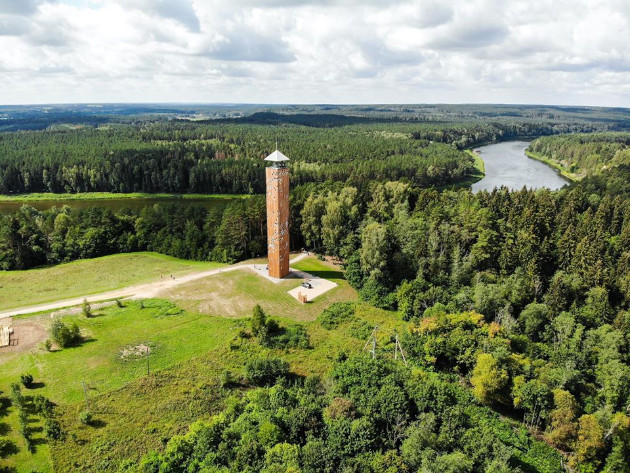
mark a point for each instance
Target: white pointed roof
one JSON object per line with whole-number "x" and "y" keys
{"x": 276, "y": 157}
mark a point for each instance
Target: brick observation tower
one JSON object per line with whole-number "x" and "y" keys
{"x": 278, "y": 214}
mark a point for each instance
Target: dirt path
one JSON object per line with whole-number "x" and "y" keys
{"x": 140, "y": 291}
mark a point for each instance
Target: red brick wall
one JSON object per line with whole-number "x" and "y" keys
{"x": 278, "y": 221}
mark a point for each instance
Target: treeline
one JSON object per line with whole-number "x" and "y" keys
{"x": 235, "y": 231}
{"x": 181, "y": 156}
{"x": 584, "y": 154}
{"x": 185, "y": 157}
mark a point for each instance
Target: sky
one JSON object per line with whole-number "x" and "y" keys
{"x": 564, "y": 52}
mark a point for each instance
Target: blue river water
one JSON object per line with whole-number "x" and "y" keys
{"x": 507, "y": 165}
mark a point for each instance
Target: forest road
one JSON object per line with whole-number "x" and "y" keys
{"x": 140, "y": 291}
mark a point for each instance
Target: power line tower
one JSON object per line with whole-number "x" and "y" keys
{"x": 370, "y": 345}
{"x": 398, "y": 349}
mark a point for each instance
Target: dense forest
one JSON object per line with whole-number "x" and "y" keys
{"x": 371, "y": 415}
{"x": 516, "y": 302}
{"x": 188, "y": 150}
{"x": 583, "y": 154}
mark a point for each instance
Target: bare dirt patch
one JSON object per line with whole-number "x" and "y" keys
{"x": 134, "y": 352}
{"x": 26, "y": 335}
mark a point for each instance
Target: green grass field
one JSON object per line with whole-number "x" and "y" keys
{"x": 135, "y": 412}
{"x": 233, "y": 294}
{"x": 41, "y": 197}
{"x": 173, "y": 335}
{"x": 189, "y": 350}
{"x": 36, "y": 286}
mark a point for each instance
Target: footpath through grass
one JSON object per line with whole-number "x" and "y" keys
{"x": 233, "y": 294}
{"x": 91, "y": 276}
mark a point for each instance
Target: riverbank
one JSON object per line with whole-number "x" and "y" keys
{"x": 555, "y": 165}
{"x": 478, "y": 174}
{"x": 48, "y": 196}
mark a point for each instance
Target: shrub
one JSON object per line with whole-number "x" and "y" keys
{"x": 43, "y": 405}
{"x": 16, "y": 395}
{"x": 294, "y": 336}
{"x": 265, "y": 371}
{"x": 226, "y": 378}
{"x": 85, "y": 417}
{"x": 26, "y": 379}
{"x": 52, "y": 429}
{"x": 337, "y": 314}
{"x": 63, "y": 335}
{"x": 87, "y": 309}
{"x": 259, "y": 320}
{"x": 48, "y": 344}
{"x": 361, "y": 329}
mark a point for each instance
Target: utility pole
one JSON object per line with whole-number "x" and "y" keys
{"x": 398, "y": 348}
{"x": 87, "y": 404}
{"x": 370, "y": 345}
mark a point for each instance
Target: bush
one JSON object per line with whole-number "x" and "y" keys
{"x": 52, "y": 429}
{"x": 85, "y": 417}
{"x": 48, "y": 344}
{"x": 87, "y": 309}
{"x": 361, "y": 329}
{"x": 337, "y": 314}
{"x": 294, "y": 336}
{"x": 63, "y": 335}
{"x": 16, "y": 396}
{"x": 43, "y": 405}
{"x": 265, "y": 371}
{"x": 226, "y": 378}
{"x": 26, "y": 379}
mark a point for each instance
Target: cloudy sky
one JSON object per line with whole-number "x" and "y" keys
{"x": 308, "y": 51}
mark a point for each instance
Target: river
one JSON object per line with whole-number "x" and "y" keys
{"x": 507, "y": 165}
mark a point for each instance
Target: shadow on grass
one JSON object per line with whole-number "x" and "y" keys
{"x": 80, "y": 343}
{"x": 9, "y": 448}
{"x": 4, "y": 428}
{"x": 4, "y": 405}
{"x": 327, "y": 274}
{"x": 98, "y": 423}
{"x": 37, "y": 385}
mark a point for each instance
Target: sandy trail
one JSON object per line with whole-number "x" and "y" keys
{"x": 140, "y": 291}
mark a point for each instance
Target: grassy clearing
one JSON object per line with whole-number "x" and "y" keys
{"x": 136, "y": 418}
{"x": 135, "y": 412}
{"x": 64, "y": 281}
{"x": 42, "y": 197}
{"x": 173, "y": 335}
{"x": 234, "y": 294}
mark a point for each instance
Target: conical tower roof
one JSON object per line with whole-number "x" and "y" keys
{"x": 276, "y": 157}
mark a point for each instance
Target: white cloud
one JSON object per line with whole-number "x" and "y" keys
{"x": 559, "y": 51}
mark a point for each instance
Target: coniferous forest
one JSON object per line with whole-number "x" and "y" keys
{"x": 516, "y": 303}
